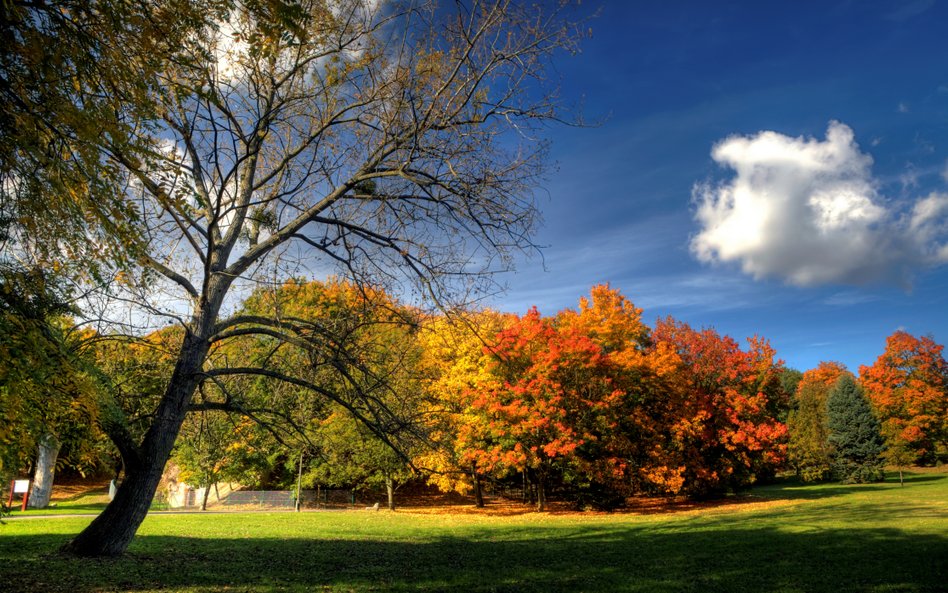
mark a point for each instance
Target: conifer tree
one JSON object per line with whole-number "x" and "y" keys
{"x": 854, "y": 433}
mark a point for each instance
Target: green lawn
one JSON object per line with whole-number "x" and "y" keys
{"x": 830, "y": 538}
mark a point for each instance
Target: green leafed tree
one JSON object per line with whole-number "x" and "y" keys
{"x": 809, "y": 449}
{"x": 854, "y": 433}
{"x": 351, "y": 456}
{"x": 78, "y": 77}
{"x": 48, "y": 394}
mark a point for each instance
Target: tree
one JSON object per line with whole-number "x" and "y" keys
{"x": 455, "y": 361}
{"x": 809, "y": 450}
{"x": 530, "y": 404}
{"x": 898, "y": 452}
{"x": 577, "y": 400}
{"x": 350, "y": 456}
{"x": 908, "y": 387}
{"x": 392, "y": 141}
{"x": 629, "y": 420}
{"x": 725, "y": 434}
{"x": 854, "y": 434}
{"x": 202, "y": 451}
{"x": 47, "y": 393}
{"x": 77, "y": 75}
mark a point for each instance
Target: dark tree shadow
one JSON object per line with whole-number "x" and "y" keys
{"x": 678, "y": 556}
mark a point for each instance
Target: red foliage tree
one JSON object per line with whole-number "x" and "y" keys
{"x": 546, "y": 384}
{"x": 725, "y": 434}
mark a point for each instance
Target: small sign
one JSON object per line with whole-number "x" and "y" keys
{"x": 21, "y": 486}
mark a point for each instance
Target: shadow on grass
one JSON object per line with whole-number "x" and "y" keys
{"x": 543, "y": 558}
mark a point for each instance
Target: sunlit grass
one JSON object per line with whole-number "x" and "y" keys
{"x": 877, "y": 537}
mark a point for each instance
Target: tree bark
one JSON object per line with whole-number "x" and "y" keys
{"x": 112, "y": 531}
{"x": 299, "y": 484}
{"x": 390, "y": 489}
{"x": 478, "y": 493}
{"x": 207, "y": 491}
{"x": 541, "y": 491}
{"x": 48, "y": 452}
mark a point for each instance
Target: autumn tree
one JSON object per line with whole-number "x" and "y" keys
{"x": 530, "y": 403}
{"x": 809, "y": 450}
{"x": 908, "y": 387}
{"x": 392, "y": 141}
{"x": 455, "y": 360}
{"x": 725, "y": 433}
{"x": 629, "y": 421}
{"x": 575, "y": 400}
{"x": 854, "y": 434}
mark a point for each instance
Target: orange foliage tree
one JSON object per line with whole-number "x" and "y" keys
{"x": 908, "y": 387}
{"x": 725, "y": 434}
{"x": 594, "y": 401}
{"x": 544, "y": 384}
{"x": 561, "y": 398}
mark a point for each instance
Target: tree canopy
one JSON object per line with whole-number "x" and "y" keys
{"x": 210, "y": 148}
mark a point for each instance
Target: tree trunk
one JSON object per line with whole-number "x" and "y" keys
{"x": 541, "y": 491}
{"x": 299, "y": 484}
{"x": 45, "y": 471}
{"x": 112, "y": 531}
{"x": 390, "y": 489}
{"x": 478, "y": 493}
{"x": 207, "y": 491}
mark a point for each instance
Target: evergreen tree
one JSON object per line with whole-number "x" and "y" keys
{"x": 855, "y": 434}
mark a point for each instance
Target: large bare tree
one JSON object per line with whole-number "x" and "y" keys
{"x": 394, "y": 142}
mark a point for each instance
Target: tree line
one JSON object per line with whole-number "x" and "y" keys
{"x": 590, "y": 405}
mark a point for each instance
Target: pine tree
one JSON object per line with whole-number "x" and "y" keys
{"x": 854, "y": 433}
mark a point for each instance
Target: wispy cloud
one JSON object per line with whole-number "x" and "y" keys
{"x": 909, "y": 10}
{"x": 849, "y": 298}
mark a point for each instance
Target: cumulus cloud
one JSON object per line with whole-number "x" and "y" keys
{"x": 809, "y": 212}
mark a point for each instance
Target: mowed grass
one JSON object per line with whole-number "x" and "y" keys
{"x": 788, "y": 538}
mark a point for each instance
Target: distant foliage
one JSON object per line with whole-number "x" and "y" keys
{"x": 725, "y": 432}
{"x": 590, "y": 405}
{"x": 908, "y": 386}
{"x": 809, "y": 450}
{"x": 594, "y": 403}
{"x": 854, "y": 433}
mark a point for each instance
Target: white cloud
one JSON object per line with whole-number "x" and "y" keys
{"x": 808, "y": 211}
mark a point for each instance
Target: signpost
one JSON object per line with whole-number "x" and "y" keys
{"x": 19, "y": 487}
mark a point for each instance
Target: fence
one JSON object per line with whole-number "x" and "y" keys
{"x": 287, "y": 498}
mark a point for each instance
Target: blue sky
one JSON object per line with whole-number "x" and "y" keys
{"x": 825, "y": 235}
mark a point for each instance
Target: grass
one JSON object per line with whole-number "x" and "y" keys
{"x": 784, "y": 538}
